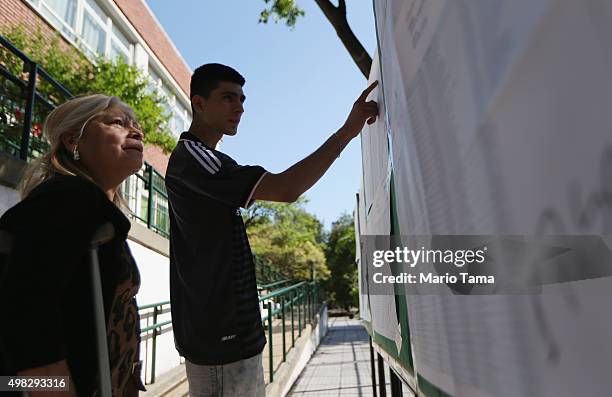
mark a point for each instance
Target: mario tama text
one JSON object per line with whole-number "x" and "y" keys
{"x": 432, "y": 278}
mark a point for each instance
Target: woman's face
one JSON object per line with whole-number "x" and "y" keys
{"x": 111, "y": 147}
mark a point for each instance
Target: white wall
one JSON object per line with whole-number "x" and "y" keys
{"x": 154, "y": 288}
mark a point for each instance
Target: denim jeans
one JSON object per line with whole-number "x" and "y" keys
{"x": 241, "y": 378}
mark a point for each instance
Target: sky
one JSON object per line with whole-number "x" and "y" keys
{"x": 300, "y": 84}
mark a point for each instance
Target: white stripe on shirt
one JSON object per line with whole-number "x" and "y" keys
{"x": 190, "y": 147}
{"x": 202, "y": 151}
{"x": 214, "y": 157}
{"x": 210, "y": 153}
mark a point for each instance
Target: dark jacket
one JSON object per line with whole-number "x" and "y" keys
{"x": 45, "y": 293}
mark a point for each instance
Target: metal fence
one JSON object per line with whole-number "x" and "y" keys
{"x": 302, "y": 302}
{"x": 145, "y": 193}
{"x": 149, "y": 334}
{"x": 27, "y": 95}
{"x": 288, "y": 308}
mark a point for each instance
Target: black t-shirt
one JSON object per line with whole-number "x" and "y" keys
{"x": 215, "y": 308}
{"x": 45, "y": 290}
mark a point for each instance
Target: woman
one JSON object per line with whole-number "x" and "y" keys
{"x": 45, "y": 295}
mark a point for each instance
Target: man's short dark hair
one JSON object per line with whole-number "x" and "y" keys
{"x": 207, "y": 77}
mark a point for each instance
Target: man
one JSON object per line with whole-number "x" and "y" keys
{"x": 215, "y": 311}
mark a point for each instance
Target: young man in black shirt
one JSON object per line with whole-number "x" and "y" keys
{"x": 215, "y": 310}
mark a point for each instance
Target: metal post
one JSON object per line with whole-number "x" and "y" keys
{"x": 291, "y": 306}
{"x": 372, "y": 367}
{"x": 150, "y": 200}
{"x": 270, "y": 343}
{"x": 396, "y": 384}
{"x": 382, "y": 384}
{"x": 312, "y": 313}
{"x": 299, "y": 307}
{"x": 309, "y": 303}
{"x": 283, "y": 327}
{"x": 154, "y": 349}
{"x": 29, "y": 111}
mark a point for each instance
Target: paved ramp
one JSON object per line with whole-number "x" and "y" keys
{"x": 341, "y": 364}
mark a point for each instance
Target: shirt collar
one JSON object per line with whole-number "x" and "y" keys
{"x": 191, "y": 137}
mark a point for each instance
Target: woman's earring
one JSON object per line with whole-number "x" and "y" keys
{"x": 75, "y": 154}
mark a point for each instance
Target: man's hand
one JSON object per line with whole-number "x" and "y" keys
{"x": 361, "y": 112}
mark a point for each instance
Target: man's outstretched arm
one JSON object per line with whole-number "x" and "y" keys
{"x": 290, "y": 184}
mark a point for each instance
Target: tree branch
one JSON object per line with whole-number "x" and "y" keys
{"x": 342, "y": 7}
{"x": 337, "y": 17}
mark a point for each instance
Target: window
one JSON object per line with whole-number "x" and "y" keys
{"x": 120, "y": 46}
{"x": 64, "y": 9}
{"x": 183, "y": 123}
{"x": 167, "y": 102}
{"x": 87, "y": 25}
{"x": 179, "y": 115}
{"x": 179, "y": 124}
{"x": 95, "y": 8}
{"x": 154, "y": 81}
{"x": 120, "y": 38}
{"x": 62, "y": 14}
{"x": 118, "y": 52}
{"x": 93, "y": 34}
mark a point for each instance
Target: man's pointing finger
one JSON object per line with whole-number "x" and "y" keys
{"x": 367, "y": 91}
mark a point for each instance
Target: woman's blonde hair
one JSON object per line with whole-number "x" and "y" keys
{"x": 69, "y": 118}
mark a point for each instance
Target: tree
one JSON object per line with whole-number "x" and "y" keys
{"x": 343, "y": 284}
{"x": 288, "y": 238}
{"x": 289, "y": 11}
{"x": 78, "y": 75}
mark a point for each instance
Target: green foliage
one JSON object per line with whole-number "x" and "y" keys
{"x": 128, "y": 83}
{"x": 280, "y": 10}
{"x": 343, "y": 285}
{"x": 81, "y": 77}
{"x": 289, "y": 238}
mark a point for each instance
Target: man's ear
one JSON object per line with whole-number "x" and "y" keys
{"x": 198, "y": 103}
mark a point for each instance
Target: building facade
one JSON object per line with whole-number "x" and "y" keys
{"x": 115, "y": 28}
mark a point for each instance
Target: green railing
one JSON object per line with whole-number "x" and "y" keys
{"x": 27, "y": 95}
{"x": 302, "y": 300}
{"x": 150, "y": 313}
{"x": 146, "y": 195}
{"x": 276, "y": 284}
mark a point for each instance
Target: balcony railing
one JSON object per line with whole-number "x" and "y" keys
{"x": 27, "y": 95}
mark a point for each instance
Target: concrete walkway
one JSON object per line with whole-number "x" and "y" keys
{"x": 341, "y": 364}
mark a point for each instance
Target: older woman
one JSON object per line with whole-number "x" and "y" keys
{"x": 45, "y": 296}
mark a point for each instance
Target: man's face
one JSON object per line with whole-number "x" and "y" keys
{"x": 223, "y": 109}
